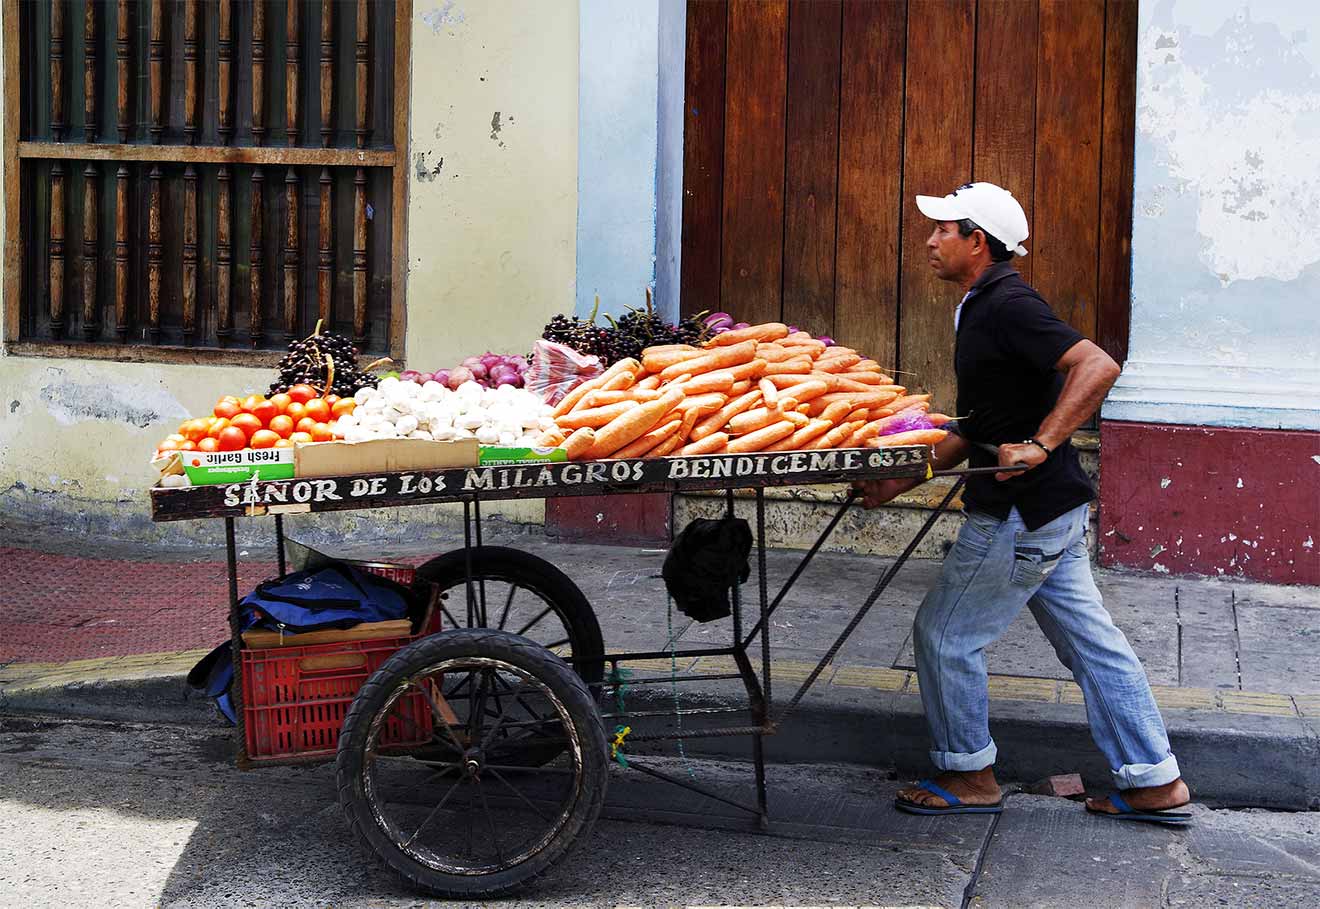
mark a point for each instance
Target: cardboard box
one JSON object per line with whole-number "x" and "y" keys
{"x": 499, "y": 454}
{"x": 332, "y": 459}
{"x": 211, "y": 467}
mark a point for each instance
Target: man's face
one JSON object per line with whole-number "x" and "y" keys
{"x": 952, "y": 255}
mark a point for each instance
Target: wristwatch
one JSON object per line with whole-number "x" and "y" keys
{"x": 1039, "y": 444}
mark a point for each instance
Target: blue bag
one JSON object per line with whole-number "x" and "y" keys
{"x": 334, "y": 596}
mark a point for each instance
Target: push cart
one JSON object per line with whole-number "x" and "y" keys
{"x": 471, "y": 760}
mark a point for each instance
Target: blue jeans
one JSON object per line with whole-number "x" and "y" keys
{"x": 994, "y": 569}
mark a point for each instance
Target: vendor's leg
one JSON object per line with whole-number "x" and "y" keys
{"x": 1125, "y": 721}
{"x": 971, "y": 605}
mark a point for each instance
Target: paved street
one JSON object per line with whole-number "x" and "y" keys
{"x": 101, "y": 814}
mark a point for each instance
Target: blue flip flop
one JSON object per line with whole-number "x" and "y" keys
{"x": 1127, "y": 813}
{"x": 955, "y": 805}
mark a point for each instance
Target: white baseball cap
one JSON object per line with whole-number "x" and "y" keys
{"x": 993, "y": 208}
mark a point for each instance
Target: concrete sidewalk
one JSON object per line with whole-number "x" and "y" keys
{"x": 103, "y": 628}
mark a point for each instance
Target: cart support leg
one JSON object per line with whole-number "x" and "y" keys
{"x": 236, "y": 644}
{"x": 279, "y": 543}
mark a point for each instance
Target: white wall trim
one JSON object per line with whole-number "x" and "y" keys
{"x": 1205, "y": 395}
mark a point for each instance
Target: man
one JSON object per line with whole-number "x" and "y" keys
{"x": 1026, "y": 381}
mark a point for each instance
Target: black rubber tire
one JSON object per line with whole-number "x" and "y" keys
{"x": 415, "y": 658}
{"x": 501, "y": 563}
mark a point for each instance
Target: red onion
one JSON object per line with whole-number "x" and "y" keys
{"x": 829, "y": 342}
{"x": 458, "y": 375}
{"x": 409, "y": 375}
{"x": 441, "y": 376}
{"x": 742, "y": 325}
{"x": 478, "y": 371}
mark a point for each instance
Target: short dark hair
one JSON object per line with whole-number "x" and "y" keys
{"x": 998, "y": 251}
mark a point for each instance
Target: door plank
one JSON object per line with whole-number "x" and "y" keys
{"x": 753, "y": 217}
{"x": 1068, "y": 111}
{"x": 811, "y": 185}
{"x": 1118, "y": 135}
{"x": 703, "y": 156}
{"x": 870, "y": 177}
{"x": 1005, "y": 129}
{"x": 937, "y": 157}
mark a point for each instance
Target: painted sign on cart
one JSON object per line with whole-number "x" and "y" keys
{"x": 538, "y": 480}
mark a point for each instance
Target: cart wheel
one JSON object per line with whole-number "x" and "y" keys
{"x": 519, "y": 592}
{"x": 465, "y": 822}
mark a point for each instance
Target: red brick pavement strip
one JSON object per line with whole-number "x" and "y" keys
{"x": 57, "y": 608}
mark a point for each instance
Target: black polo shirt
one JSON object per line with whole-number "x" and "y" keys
{"x": 1008, "y": 341}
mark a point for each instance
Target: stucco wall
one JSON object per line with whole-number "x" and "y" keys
{"x": 491, "y": 255}
{"x": 1225, "y": 253}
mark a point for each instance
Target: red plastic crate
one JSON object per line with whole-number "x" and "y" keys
{"x": 295, "y": 698}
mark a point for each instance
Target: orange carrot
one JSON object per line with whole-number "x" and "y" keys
{"x": 667, "y": 447}
{"x": 768, "y": 435}
{"x": 627, "y": 364}
{"x": 797, "y": 419}
{"x": 711, "y": 381}
{"x": 769, "y": 331}
{"x": 938, "y": 419}
{"x": 905, "y": 401}
{"x": 833, "y": 411}
{"x": 650, "y": 382}
{"x": 752, "y": 420}
{"x": 600, "y": 398}
{"x": 868, "y": 431}
{"x": 595, "y": 417}
{"x": 769, "y": 393}
{"x": 576, "y": 445}
{"x": 704, "y": 404}
{"x": 803, "y": 435}
{"x": 837, "y": 351}
{"x": 845, "y": 384}
{"x": 816, "y": 347}
{"x": 799, "y": 365}
{"x": 649, "y": 440}
{"x": 711, "y": 360}
{"x": 807, "y": 391}
{"x": 740, "y": 388}
{"x": 860, "y": 414}
{"x": 658, "y": 360}
{"x": 752, "y": 369}
{"x": 630, "y": 426}
{"x": 912, "y": 437}
{"x": 837, "y": 364}
{"x": 863, "y": 378}
{"x": 690, "y": 418}
{"x": 550, "y": 438}
{"x": 717, "y": 421}
{"x": 836, "y": 436}
{"x": 859, "y": 398}
{"x": 623, "y": 380}
{"x": 711, "y": 444}
{"x": 773, "y": 353}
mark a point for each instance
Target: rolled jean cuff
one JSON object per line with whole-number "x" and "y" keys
{"x": 953, "y": 760}
{"x": 1141, "y": 776}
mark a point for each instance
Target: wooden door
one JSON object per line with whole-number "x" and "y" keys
{"x": 810, "y": 125}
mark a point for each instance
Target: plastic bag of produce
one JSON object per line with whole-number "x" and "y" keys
{"x": 557, "y": 369}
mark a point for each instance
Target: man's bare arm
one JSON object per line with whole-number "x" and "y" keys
{"x": 950, "y": 452}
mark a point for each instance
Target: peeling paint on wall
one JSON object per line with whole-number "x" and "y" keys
{"x": 72, "y": 400}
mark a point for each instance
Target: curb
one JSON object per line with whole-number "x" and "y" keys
{"x": 1236, "y": 748}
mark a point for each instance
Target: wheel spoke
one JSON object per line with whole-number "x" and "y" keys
{"x": 453, "y": 622}
{"x": 542, "y": 614}
{"x": 490, "y": 822}
{"x": 478, "y": 707}
{"x": 499, "y": 776}
{"x": 434, "y": 811}
{"x": 504, "y": 615}
{"x": 434, "y": 777}
{"x": 440, "y": 717}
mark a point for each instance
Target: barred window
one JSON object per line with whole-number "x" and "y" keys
{"x": 194, "y": 180}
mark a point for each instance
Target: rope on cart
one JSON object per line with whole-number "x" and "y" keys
{"x": 619, "y": 679}
{"x": 673, "y": 681}
{"x": 616, "y": 746}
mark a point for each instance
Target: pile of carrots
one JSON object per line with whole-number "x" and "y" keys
{"x": 757, "y": 389}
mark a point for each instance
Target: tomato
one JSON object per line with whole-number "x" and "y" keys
{"x": 263, "y": 438}
{"x": 230, "y": 398}
{"x": 281, "y": 402}
{"x": 318, "y": 410}
{"x": 194, "y": 430}
{"x": 175, "y": 437}
{"x": 342, "y": 406}
{"x": 188, "y": 445}
{"x": 295, "y": 411}
{"x": 301, "y": 437}
{"x": 264, "y": 411}
{"x": 306, "y": 424}
{"x": 246, "y": 422}
{"x": 168, "y": 445}
{"x": 284, "y": 443}
{"x": 321, "y": 433}
{"x": 232, "y": 439}
{"x": 282, "y": 425}
{"x": 332, "y": 400}
{"x": 302, "y": 393}
{"x": 218, "y": 425}
{"x": 252, "y": 401}
{"x": 208, "y": 444}
{"x": 227, "y": 409}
